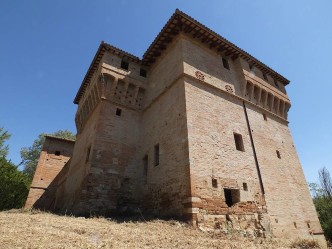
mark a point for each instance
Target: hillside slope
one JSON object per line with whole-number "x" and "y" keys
{"x": 33, "y": 229}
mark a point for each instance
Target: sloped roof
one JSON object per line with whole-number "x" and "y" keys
{"x": 179, "y": 22}
{"x": 60, "y": 138}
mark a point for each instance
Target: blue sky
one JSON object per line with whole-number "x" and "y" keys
{"x": 46, "y": 48}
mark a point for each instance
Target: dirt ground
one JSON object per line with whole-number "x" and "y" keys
{"x": 34, "y": 229}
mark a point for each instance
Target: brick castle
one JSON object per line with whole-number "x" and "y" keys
{"x": 196, "y": 129}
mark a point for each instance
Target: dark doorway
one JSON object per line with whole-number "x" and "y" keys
{"x": 232, "y": 196}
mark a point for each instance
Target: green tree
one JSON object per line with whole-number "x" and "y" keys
{"x": 4, "y": 136}
{"x": 30, "y": 155}
{"x": 324, "y": 210}
{"x": 322, "y": 196}
{"x": 14, "y": 185}
{"x": 315, "y": 189}
{"x": 325, "y": 182}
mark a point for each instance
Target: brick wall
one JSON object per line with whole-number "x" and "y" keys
{"x": 54, "y": 156}
{"x": 191, "y": 107}
{"x": 287, "y": 195}
{"x": 213, "y": 116}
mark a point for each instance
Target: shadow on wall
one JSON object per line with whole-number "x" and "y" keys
{"x": 54, "y": 192}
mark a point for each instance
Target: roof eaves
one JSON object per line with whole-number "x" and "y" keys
{"x": 96, "y": 59}
{"x": 121, "y": 52}
{"x": 95, "y": 62}
{"x": 60, "y": 138}
{"x": 159, "y": 35}
{"x": 148, "y": 55}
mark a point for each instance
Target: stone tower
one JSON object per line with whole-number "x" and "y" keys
{"x": 196, "y": 129}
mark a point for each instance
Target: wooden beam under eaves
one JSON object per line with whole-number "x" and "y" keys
{"x": 188, "y": 29}
{"x": 221, "y": 48}
{"x": 168, "y": 39}
{"x": 213, "y": 44}
{"x": 228, "y": 53}
{"x": 197, "y": 34}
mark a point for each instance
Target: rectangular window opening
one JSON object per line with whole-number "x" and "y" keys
{"x": 238, "y": 142}
{"x": 145, "y": 168}
{"x": 124, "y": 64}
{"x": 278, "y": 154}
{"x": 142, "y": 72}
{"x": 264, "y": 116}
{"x": 225, "y": 63}
{"x": 156, "y": 155}
{"x": 276, "y": 83}
{"x": 88, "y": 154}
{"x": 57, "y": 153}
{"x": 295, "y": 225}
{"x": 232, "y": 196}
{"x": 245, "y": 186}
{"x": 214, "y": 183}
{"x": 265, "y": 77}
{"x": 118, "y": 112}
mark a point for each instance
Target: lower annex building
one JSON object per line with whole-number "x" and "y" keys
{"x": 196, "y": 129}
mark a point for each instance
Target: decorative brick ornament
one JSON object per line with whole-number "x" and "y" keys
{"x": 199, "y": 75}
{"x": 229, "y": 89}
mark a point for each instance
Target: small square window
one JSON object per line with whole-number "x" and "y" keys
{"x": 156, "y": 155}
{"x": 118, "y": 112}
{"x": 124, "y": 64}
{"x": 245, "y": 186}
{"x": 214, "y": 183}
{"x": 57, "y": 153}
{"x": 278, "y": 154}
{"x": 142, "y": 72}
{"x": 225, "y": 63}
{"x": 88, "y": 154}
{"x": 251, "y": 66}
{"x": 264, "y": 116}
{"x": 238, "y": 142}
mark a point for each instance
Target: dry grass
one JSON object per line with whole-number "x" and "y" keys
{"x": 305, "y": 244}
{"x": 32, "y": 229}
